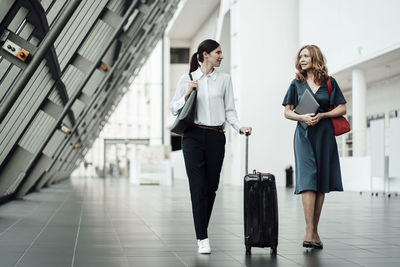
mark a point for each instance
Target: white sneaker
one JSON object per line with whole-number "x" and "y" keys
{"x": 204, "y": 246}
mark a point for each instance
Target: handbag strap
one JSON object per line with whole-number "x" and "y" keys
{"x": 191, "y": 77}
{"x": 329, "y": 83}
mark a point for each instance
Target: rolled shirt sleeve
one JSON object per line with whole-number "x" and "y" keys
{"x": 179, "y": 100}
{"x": 230, "y": 110}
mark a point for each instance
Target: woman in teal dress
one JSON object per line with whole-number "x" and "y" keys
{"x": 315, "y": 148}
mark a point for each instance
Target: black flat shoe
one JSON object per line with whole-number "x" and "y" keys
{"x": 317, "y": 245}
{"x": 307, "y": 244}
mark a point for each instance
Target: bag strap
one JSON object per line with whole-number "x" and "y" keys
{"x": 191, "y": 77}
{"x": 329, "y": 83}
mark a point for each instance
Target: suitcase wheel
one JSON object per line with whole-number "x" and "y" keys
{"x": 273, "y": 251}
{"x": 248, "y": 250}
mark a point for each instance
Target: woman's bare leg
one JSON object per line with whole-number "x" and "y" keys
{"x": 308, "y": 198}
{"x": 319, "y": 202}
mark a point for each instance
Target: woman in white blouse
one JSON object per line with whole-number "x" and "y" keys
{"x": 204, "y": 144}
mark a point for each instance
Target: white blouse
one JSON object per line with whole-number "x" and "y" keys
{"x": 215, "y": 101}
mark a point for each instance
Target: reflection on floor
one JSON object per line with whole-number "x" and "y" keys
{"x": 109, "y": 222}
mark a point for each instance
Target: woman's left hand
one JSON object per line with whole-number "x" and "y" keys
{"x": 316, "y": 118}
{"x": 243, "y": 130}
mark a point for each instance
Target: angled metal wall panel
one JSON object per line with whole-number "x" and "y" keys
{"x": 77, "y": 29}
{"x": 18, "y": 20}
{"x": 93, "y": 83}
{"x": 46, "y": 5}
{"x": 15, "y": 138}
{"x": 73, "y": 79}
{"x": 56, "y": 98}
{"x": 13, "y": 171}
{"x": 21, "y": 114}
{"x": 71, "y": 88}
{"x": 91, "y": 48}
{"x": 37, "y": 131}
{"x": 78, "y": 107}
{"x": 10, "y": 73}
{"x": 54, "y": 143}
{"x": 53, "y": 10}
{"x": 5, "y": 7}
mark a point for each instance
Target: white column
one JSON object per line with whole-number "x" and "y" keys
{"x": 154, "y": 81}
{"x": 359, "y": 92}
{"x": 166, "y": 87}
{"x": 265, "y": 69}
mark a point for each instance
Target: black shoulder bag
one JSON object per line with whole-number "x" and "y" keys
{"x": 185, "y": 118}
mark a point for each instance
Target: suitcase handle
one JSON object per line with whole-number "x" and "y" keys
{"x": 247, "y": 152}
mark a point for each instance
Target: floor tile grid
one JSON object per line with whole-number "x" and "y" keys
{"x": 43, "y": 228}
{"x": 358, "y": 230}
{"x": 347, "y": 259}
{"x": 106, "y": 207}
{"x": 222, "y": 253}
{"x": 127, "y": 206}
{"x": 77, "y": 232}
{"x": 155, "y": 233}
{"x": 262, "y": 253}
{"x": 18, "y": 221}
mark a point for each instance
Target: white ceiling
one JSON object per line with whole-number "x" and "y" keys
{"x": 195, "y": 12}
{"x": 376, "y": 69}
{"x": 190, "y": 19}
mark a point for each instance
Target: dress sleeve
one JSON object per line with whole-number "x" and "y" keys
{"x": 179, "y": 101}
{"x": 337, "y": 97}
{"x": 291, "y": 97}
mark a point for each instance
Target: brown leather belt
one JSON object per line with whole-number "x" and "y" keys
{"x": 213, "y": 128}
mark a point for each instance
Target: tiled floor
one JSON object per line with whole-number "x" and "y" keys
{"x": 96, "y": 222}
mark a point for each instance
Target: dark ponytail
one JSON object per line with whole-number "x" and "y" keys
{"x": 208, "y": 46}
{"x": 194, "y": 64}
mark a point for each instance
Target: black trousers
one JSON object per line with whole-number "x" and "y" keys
{"x": 203, "y": 151}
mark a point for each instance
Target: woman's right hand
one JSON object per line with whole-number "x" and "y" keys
{"x": 192, "y": 86}
{"x": 308, "y": 118}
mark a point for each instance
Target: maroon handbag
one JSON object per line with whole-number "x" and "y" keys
{"x": 340, "y": 124}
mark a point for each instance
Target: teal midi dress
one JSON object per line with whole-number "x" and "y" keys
{"x": 315, "y": 148}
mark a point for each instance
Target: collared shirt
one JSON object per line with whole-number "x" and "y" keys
{"x": 215, "y": 102}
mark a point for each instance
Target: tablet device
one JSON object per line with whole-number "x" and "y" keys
{"x": 307, "y": 104}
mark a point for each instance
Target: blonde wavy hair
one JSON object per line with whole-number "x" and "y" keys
{"x": 318, "y": 64}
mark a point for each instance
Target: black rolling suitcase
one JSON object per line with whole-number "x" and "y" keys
{"x": 260, "y": 209}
